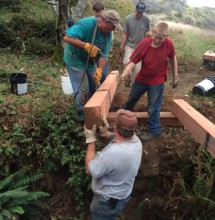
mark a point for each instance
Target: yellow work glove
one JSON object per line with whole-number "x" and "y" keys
{"x": 90, "y": 134}
{"x": 126, "y": 76}
{"x": 97, "y": 75}
{"x": 110, "y": 55}
{"x": 91, "y": 49}
{"x": 103, "y": 129}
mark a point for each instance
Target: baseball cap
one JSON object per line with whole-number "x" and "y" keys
{"x": 140, "y": 7}
{"x": 113, "y": 17}
{"x": 126, "y": 119}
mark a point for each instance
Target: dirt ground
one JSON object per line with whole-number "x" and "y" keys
{"x": 166, "y": 160}
{"x": 167, "y": 156}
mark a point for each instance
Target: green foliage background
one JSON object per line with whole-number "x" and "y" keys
{"x": 40, "y": 130}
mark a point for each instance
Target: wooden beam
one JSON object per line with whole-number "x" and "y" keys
{"x": 99, "y": 104}
{"x": 200, "y": 127}
{"x": 166, "y": 118}
{"x": 209, "y": 55}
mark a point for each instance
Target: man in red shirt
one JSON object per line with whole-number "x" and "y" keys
{"x": 154, "y": 52}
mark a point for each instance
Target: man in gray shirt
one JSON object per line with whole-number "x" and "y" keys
{"x": 114, "y": 168}
{"x": 134, "y": 30}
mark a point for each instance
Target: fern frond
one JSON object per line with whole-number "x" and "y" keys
{"x": 16, "y": 210}
{"x": 15, "y": 193}
{"x": 208, "y": 201}
{"x": 1, "y": 217}
{"x": 9, "y": 181}
{"x": 6, "y": 214}
{"x": 4, "y": 183}
{"x": 31, "y": 196}
{"x": 27, "y": 180}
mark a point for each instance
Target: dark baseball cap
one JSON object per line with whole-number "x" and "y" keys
{"x": 140, "y": 7}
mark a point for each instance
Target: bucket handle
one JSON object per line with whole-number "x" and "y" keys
{"x": 18, "y": 72}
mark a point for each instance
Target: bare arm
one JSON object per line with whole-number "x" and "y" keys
{"x": 74, "y": 41}
{"x": 130, "y": 66}
{"x": 174, "y": 66}
{"x": 90, "y": 154}
{"x": 123, "y": 40}
{"x": 102, "y": 62}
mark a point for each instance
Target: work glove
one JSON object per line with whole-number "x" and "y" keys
{"x": 90, "y": 134}
{"x": 175, "y": 82}
{"x": 97, "y": 75}
{"x": 91, "y": 49}
{"x": 102, "y": 131}
{"x": 110, "y": 55}
{"x": 126, "y": 76}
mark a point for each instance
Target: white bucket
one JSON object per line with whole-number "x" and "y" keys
{"x": 66, "y": 85}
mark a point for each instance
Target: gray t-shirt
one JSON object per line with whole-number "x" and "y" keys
{"x": 136, "y": 29}
{"x": 114, "y": 169}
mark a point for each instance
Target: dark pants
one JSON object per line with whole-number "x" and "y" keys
{"x": 102, "y": 209}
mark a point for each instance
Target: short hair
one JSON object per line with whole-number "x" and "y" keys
{"x": 161, "y": 28}
{"x": 124, "y": 132}
{"x": 98, "y": 6}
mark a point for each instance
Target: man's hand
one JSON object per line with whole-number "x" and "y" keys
{"x": 97, "y": 75}
{"x": 103, "y": 129}
{"x": 126, "y": 76}
{"x": 91, "y": 49}
{"x": 90, "y": 134}
{"x": 175, "y": 82}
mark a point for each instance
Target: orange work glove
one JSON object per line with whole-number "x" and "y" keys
{"x": 97, "y": 75}
{"x": 91, "y": 49}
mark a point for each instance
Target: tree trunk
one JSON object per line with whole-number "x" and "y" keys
{"x": 65, "y": 9}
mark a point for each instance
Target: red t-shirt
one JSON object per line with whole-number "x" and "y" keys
{"x": 154, "y": 61}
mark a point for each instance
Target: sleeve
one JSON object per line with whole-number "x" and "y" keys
{"x": 171, "y": 47}
{"x": 108, "y": 46}
{"x": 98, "y": 167}
{"x": 140, "y": 51}
{"x": 79, "y": 30}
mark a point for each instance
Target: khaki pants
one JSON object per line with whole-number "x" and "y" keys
{"x": 137, "y": 67}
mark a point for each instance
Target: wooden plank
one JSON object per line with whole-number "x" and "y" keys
{"x": 209, "y": 55}
{"x": 110, "y": 84}
{"x": 96, "y": 108}
{"x": 99, "y": 104}
{"x": 166, "y": 118}
{"x": 199, "y": 126}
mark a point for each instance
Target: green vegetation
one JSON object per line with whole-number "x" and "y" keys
{"x": 16, "y": 199}
{"x": 40, "y": 130}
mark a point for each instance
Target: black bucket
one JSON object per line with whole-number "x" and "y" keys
{"x": 18, "y": 83}
{"x": 205, "y": 87}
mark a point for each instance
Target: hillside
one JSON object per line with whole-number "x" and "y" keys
{"x": 40, "y": 132}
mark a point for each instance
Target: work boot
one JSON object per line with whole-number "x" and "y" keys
{"x": 148, "y": 136}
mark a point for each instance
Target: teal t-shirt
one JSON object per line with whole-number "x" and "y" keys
{"x": 84, "y": 31}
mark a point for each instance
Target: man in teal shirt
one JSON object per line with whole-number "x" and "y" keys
{"x": 86, "y": 53}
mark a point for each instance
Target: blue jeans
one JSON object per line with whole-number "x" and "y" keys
{"x": 154, "y": 95}
{"x": 104, "y": 73}
{"x": 83, "y": 87}
{"x": 102, "y": 209}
